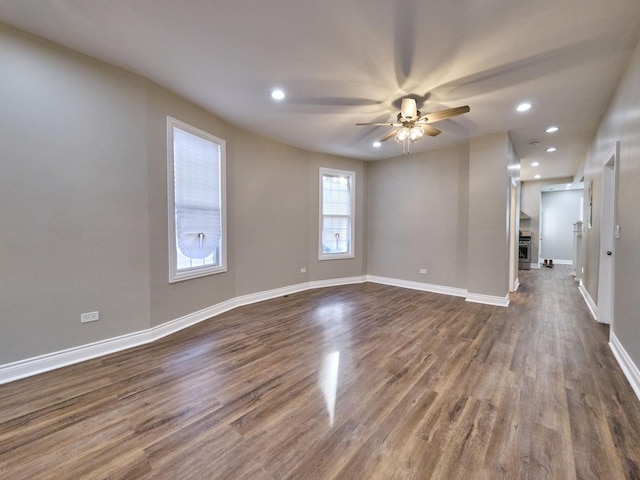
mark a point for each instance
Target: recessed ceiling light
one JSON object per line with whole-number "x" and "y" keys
{"x": 523, "y": 107}
{"x": 552, "y": 129}
{"x": 568, "y": 184}
{"x": 535, "y": 164}
{"x": 277, "y": 94}
{"x": 551, "y": 149}
{"x": 377, "y": 144}
{"x": 536, "y": 176}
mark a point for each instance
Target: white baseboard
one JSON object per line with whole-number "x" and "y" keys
{"x": 424, "y": 287}
{"x": 51, "y": 361}
{"x": 534, "y": 265}
{"x": 593, "y": 308}
{"x": 562, "y": 262}
{"x": 630, "y": 369}
{"x": 488, "y": 299}
{"x": 337, "y": 282}
{"x": 456, "y": 292}
{"x": 556, "y": 262}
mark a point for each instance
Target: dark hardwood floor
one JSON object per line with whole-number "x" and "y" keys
{"x": 355, "y": 382}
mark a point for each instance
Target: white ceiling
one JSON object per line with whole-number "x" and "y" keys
{"x": 348, "y": 61}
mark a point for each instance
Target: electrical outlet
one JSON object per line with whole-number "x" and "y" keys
{"x": 423, "y": 271}
{"x": 303, "y": 270}
{"x": 89, "y": 317}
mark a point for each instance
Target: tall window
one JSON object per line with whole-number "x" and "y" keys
{"x": 337, "y": 204}
{"x": 196, "y": 188}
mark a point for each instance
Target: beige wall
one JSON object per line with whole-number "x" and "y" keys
{"x": 621, "y": 123}
{"x": 418, "y": 217}
{"x": 74, "y": 215}
{"x": 489, "y": 192}
{"x": 84, "y": 214}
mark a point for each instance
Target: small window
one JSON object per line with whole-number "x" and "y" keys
{"x": 337, "y": 199}
{"x": 196, "y": 192}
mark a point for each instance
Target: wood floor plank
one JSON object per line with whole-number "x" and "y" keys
{"x": 349, "y": 382}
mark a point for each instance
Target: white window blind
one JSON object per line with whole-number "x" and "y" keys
{"x": 337, "y": 207}
{"x": 197, "y": 202}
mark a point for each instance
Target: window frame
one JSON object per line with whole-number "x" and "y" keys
{"x": 176, "y": 275}
{"x": 336, "y": 173}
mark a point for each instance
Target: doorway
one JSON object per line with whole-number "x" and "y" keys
{"x": 608, "y": 233}
{"x": 560, "y": 209}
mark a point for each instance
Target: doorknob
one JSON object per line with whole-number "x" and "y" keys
{"x": 609, "y": 252}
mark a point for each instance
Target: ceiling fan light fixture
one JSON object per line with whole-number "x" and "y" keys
{"x": 402, "y": 134}
{"x": 411, "y": 126}
{"x": 377, "y": 144}
{"x": 415, "y": 134}
{"x": 408, "y": 108}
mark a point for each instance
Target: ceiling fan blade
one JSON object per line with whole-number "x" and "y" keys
{"x": 388, "y": 135}
{"x": 431, "y": 131}
{"x": 408, "y": 108}
{"x": 387, "y": 124}
{"x": 444, "y": 114}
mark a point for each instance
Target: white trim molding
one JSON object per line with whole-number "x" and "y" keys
{"x": 424, "y": 287}
{"x": 51, "y": 361}
{"x": 630, "y": 369}
{"x": 562, "y": 262}
{"x": 456, "y": 292}
{"x": 534, "y": 265}
{"x": 488, "y": 299}
{"x": 593, "y": 308}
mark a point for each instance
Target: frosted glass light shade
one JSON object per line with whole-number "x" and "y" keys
{"x": 402, "y": 135}
{"x": 416, "y": 134}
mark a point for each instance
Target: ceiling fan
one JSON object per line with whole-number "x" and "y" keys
{"x": 411, "y": 125}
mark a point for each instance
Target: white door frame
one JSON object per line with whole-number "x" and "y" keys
{"x": 606, "y": 269}
{"x": 514, "y": 237}
{"x": 540, "y": 232}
